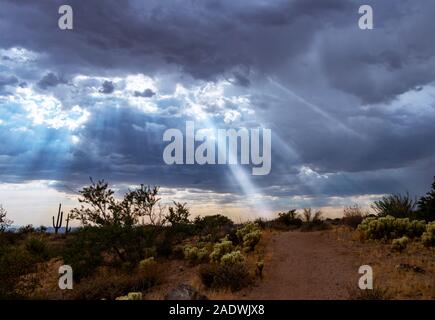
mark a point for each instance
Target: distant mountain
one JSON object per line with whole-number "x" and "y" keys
{"x": 15, "y": 228}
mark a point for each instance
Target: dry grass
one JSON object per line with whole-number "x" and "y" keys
{"x": 47, "y": 274}
{"x": 388, "y": 276}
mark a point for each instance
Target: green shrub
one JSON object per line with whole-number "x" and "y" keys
{"x": 149, "y": 252}
{"x": 16, "y": 262}
{"x": 208, "y": 273}
{"x": 166, "y": 240}
{"x": 250, "y": 235}
{"x": 289, "y": 218}
{"x": 220, "y": 249}
{"x": 232, "y": 276}
{"x": 391, "y": 228}
{"x": 118, "y": 245}
{"x": 195, "y": 254}
{"x": 262, "y": 223}
{"x": 395, "y": 205}
{"x": 179, "y": 214}
{"x": 400, "y": 244}
{"x": 26, "y": 229}
{"x": 84, "y": 252}
{"x": 251, "y": 239}
{"x": 426, "y": 205}
{"x": 428, "y": 237}
{"x": 247, "y": 228}
{"x": 353, "y": 216}
{"x": 312, "y": 217}
{"x": 214, "y": 227}
{"x": 259, "y": 268}
{"x": 5, "y": 223}
{"x": 8, "y": 239}
{"x": 111, "y": 284}
{"x": 147, "y": 263}
{"x": 313, "y": 221}
{"x": 234, "y": 258}
{"x": 178, "y": 251}
{"x": 37, "y": 246}
{"x": 370, "y": 294}
{"x": 230, "y": 271}
{"x": 131, "y": 296}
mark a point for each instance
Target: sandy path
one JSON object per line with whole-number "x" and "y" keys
{"x": 306, "y": 265}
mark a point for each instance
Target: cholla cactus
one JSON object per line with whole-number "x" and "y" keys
{"x": 234, "y": 258}
{"x": 131, "y": 296}
{"x": 147, "y": 263}
{"x": 247, "y": 228}
{"x": 221, "y": 248}
{"x": 260, "y": 267}
{"x": 251, "y": 239}
{"x": 194, "y": 254}
{"x": 391, "y": 228}
{"x": 428, "y": 237}
{"x": 250, "y": 235}
{"x": 400, "y": 243}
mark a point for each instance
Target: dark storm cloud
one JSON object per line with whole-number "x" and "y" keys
{"x": 194, "y": 35}
{"x": 108, "y": 87}
{"x": 49, "y": 80}
{"x": 209, "y": 39}
{"x": 7, "y": 81}
{"x": 147, "y": 93}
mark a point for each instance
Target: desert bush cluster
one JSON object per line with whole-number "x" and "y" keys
{"x": 400, "y": 244}
{"x": 289, "y": 219}
{"x": 231, "y": 271}
{"x": 400, "y": 230}
{"x": 307, "y": 220}
{"x": 195, "y": 254}
{"x": 220, "y": 249}
{"x": 428, "y": 237}
{"x": 225, "y": 262}
{"x": 353, "y": 216}
{"x": 249, "y": 236}
{"x": 391, "y": 228}
{"x": 404, "y": 206}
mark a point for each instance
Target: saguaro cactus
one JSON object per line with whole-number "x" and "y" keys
{"x": 59, "y": 219}
{"x": 67, "y": 229}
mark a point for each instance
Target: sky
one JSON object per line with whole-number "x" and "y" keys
{"x": 351, "y": 111}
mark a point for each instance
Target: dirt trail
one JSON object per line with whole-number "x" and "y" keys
{"x": 306, "y": 265}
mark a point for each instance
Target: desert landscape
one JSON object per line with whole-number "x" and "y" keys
{"x": 133, "y": 249}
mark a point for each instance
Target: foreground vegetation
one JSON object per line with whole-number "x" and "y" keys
{"x": 122, "y": 245}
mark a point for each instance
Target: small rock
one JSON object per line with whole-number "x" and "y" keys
{"x": 185, "y": 292}
{"x": 408, "y": 267}
{"x": 418, "y": 269}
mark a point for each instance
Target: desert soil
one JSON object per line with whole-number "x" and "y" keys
{"x": 306, "y": 265}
